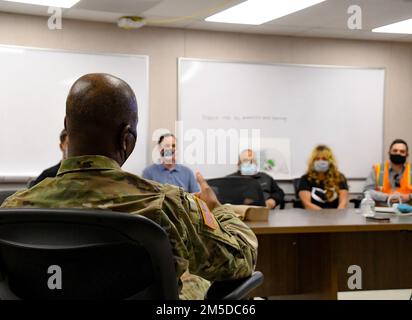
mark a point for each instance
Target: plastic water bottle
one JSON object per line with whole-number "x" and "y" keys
{"x": 367, "y": 205}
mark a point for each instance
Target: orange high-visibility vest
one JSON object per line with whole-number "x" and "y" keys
{"x": 383, "y": 182}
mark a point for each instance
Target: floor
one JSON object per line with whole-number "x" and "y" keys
{"x": 376, "y": 295}
{"x": 352, "y": 295}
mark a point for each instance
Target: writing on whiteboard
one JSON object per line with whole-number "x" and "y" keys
{"x": 244, "y": 118}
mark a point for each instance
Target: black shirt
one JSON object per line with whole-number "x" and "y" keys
{"x": 318, "y": 192}
{"x": 48, "y": 173}
{"x": 269, "y": 187}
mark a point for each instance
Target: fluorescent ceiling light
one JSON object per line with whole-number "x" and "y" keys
{"x": 260, "y": 11}
{"x": 48, "y": 3}
{"x": 404, "y": 26}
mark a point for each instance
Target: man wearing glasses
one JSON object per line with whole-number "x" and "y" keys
{"x": 392, "y": 180}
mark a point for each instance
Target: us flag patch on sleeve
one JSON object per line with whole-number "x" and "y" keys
{"x": 208, "y": 217}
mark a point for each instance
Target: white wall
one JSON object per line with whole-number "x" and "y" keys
{"x": 164, "y": 46}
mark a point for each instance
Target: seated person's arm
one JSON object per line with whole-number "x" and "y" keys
{"x": 343, "y": 193}
{"x": 343, "y": 199}
{"x": 276, "y": 194}
{"x": 193, "y": 186}
{"x": 370, "y": 185}
{"x": 217, "y": 245}
{"x": 306, "y": 198}
{"x": 406, "y": 197}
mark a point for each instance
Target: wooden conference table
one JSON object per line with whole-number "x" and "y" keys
{"x": 305, "y": 254}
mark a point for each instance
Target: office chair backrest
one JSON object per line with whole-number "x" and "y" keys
{"x": 4, "y": 194}
{"x": 238, "y": 190}
{"x": 297, "y": 203}
{"x": 78, "y": 254}
{"x": 296, "y": 183}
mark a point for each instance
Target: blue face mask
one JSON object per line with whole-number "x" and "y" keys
{"x": 248, "y": 169}
{"x": 321, "y": 166}
{"x": 167, "y": 155}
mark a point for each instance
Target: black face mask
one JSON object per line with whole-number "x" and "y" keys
{"x": 397, "y": 159}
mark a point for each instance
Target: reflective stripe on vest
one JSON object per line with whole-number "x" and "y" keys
{"x": 380, "y": 170}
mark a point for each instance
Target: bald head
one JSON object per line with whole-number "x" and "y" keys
{"x": 101, "y": 117}
{"x": 247, "y": 156}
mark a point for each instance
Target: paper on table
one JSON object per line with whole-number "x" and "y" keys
{"x": 251, "y": 213}
{"x": 385, "y": 209}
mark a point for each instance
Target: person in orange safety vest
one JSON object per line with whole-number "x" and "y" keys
{"x": 392, "y": 177}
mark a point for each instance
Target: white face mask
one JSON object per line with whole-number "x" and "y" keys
{"x": 321, "y": 166}
{"x": 248, "y": 169}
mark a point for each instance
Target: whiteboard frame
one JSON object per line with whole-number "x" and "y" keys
{"x": 25, "y": 179}
{"x": 182, "y": 59}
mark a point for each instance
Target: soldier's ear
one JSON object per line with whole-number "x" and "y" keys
{"x": 127, "y": 141}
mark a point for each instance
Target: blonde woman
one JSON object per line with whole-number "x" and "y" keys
{"x": 323, "y": 186}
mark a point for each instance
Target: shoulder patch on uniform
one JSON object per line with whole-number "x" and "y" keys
{"x": 208, "y": 217}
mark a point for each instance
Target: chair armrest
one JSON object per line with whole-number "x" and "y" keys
{"x": 234, "y": 289}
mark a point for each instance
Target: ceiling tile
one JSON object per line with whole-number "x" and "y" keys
{"x": 171, "y": 22}
{"x": 212, "y": 26}
{"x": 131, "y": 7}
{"x": 98, "y": 16}
{"x": 327, "y": 19}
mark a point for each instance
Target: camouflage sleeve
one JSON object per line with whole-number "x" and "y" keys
{"x": 12, "y": 201}
{"x": 219, "y": 246}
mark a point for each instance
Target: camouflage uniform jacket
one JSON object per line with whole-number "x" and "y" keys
{"x": 214, "y": 246}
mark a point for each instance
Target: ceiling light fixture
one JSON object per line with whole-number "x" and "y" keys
{"x": 404, "y": 27}
{"x": 48, "y": 3}
{"x": 256, "y": 12}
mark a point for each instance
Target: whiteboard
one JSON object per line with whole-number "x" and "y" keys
{"x": 294, "y": 106}
{"x": 34, "y": 85}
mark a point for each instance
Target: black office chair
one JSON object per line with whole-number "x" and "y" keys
{"x": 297, "y": 203}
{"x": 95, "y": 254}
{"x": 4, "y": 194}
{"x": 356, "y": 202}
{"x": 238, "y": 190}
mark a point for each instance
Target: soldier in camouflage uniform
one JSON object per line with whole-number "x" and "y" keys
{"x": 101, "y": 119}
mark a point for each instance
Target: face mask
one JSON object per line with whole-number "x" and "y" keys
{"x": 321, "y": 166}
{"x": 168, "y": 155}
{"x": 248, "y": 169}
{"x": 397, "y": 159}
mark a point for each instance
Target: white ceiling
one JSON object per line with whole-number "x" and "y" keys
{"x": 327, "y": 19}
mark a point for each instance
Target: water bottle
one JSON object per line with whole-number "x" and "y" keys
{"x": 367, "y": 205}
